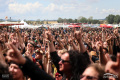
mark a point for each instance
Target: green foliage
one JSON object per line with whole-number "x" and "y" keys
{"x": 70, "y": 20}
{"x": 83, "y": 20}
{"x": 60, "y": 20}
{"x": 80, "y": 19}
{"x": 117, "y": 19}
{"x": 113, "y": 19}
{"x": 90, "y": 19}
{"x": 75, "y": 21}
{"x": 95, "y": 21}
{"x": 110, "y": 18}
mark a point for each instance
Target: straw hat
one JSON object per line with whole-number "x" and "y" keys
{"x": 93, "y": 53}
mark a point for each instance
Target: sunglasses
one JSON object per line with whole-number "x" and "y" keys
{"x": 58, "y": 75}
{"x": 63, "y": 61}
{"x": 87, "y": 77}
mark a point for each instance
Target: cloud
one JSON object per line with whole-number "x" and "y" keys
{"x": 112, "y": 11}
{"x": 66, "y": 10}
{"x": 66, "y": 7}
{"x": 102, "y": 13}
{"x": 54, "y": 9}
{"x": 93, "y": 1}
{"x": 24, "y": 8}
{"x": 107, "y": 11}
{"x": 10, "y": 1}
{"x": 4, "y": 3}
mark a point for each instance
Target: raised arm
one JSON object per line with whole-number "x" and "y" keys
{"x": 22, "y": 45}
{"x": 60, "y": 43}
{"x": 51, "y": 45}
{"x": 71, "y": 42}
{"x": 27, "y": 66}
{"x": 54, "y": 56}
{"x": 102, "y": 57}
{"x": 108, "y": 40}
{"x": 78, "y": 36}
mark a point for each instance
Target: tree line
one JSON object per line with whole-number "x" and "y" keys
{"x": 110, "y": 19}
{"x": 113, "y": 19}
{"x": 80, "y": 19}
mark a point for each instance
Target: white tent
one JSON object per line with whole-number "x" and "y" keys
{"x": 23, "y": 26}
{"x": 29, "y": 26}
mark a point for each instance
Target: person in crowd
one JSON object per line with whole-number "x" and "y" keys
{"x": 38, "y": 58}
{"x": 30, "y": 51}
{"x": 93, "y": 72}
{"x": 71, "y": 64}
{"x": 27, "y": 66}
{"x": 38, "y": 54}
{"x": 16, "y": 72}
{"x": 63, "y": 48}
{"x": 58, "y": 76}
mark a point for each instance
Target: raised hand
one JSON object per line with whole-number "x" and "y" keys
{"x": 108, "y": 40}
{"x": 116, "y": 32}
{"x": 78, "y": 35}
{"x": 50, "y": 37}
{"x": 17, "y": 29}
{"x": 113, "y": 67}
{"x": 29, "y": 55}
{"x": 70, "y": 39}
{"x": 14, "y": 55}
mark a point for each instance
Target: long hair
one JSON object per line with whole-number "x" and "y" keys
{"x": 78, "y": 62}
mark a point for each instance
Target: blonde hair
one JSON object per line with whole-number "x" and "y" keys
{"x": 100, "y": 69}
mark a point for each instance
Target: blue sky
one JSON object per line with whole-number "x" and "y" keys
{"x": 53, "y": 9}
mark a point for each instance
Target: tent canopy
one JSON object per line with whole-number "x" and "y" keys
{"x": 27, "y": 25}
{"x": 105, "y": 26}
{"x": 74, "y": 26}
{"x": 23, "y": 26}
{"x": 6, "y": 23}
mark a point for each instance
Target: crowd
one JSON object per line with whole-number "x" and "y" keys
{"x": 60, "y": 54}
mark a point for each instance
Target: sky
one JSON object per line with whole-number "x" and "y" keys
{"x": 53, "y": 9}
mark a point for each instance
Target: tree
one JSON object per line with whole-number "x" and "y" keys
{"x": 79, "y": 18}
{"x": 83, "y": 20}
{"x": 60, "y": 20}
{"x": 117, "y": 19}
{"x": 110, "y": 19}
{"x": 90, "y": 20}
{"x": 70, "y": 20}
{"x": 65, "y": 20}
{"x": 95, "y": 21}
{"x": 75, "y": 20}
